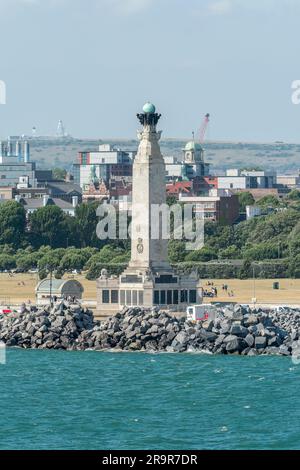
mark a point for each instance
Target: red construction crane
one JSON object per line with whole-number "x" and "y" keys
{"x": 204, "y": 127}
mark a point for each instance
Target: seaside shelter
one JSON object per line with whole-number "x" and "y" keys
{"x": 58, "y": 289}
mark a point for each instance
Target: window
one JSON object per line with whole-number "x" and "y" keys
{"x": 175, "y": 297}
{"x": 114, "y": 297}
{"x": 162, "y": 297}
{"x": 105, "y": 296}
{"x": 141, "y": 297}
{"x": 134, "y": 297}
{"x": 156, "y": 297}
{"x": 131, "y": 278}
{"x": 193, "y": 296}
{"x": 128, "y": 297}
{"x": 166, "y": 279}
{"x": 169, "y": 297}
{"x": 184, "y": 296}
{"x": 122, "y": 297}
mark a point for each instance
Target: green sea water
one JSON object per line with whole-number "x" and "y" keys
{"x": 92, "y": 400}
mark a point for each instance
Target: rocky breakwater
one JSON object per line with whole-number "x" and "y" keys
{"x": 235, "y": 330}
{"x": 49, "y": 328}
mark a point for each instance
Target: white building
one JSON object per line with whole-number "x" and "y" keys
{"x": 173, "y": 167}
{"x": 291, "y": 181}
{"x": 102, "y": 165}
{"x": 31, "y": 205}
{"x": 253, "y": 211}
{"x": 220, "y": 206}
{"x": 243, "y": 179}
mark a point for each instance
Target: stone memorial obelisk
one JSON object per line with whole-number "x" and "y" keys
{"x": 149, "y": 280}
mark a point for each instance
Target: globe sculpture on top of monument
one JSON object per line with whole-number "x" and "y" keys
{"x": 149, "y": 280}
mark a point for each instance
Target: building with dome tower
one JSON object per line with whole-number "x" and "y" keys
{"x": 191, "y": 166}
{"x": 149, "y": 280}
{"x": 193, "y": 160}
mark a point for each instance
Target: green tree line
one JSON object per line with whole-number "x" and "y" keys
{"x": 50, "y": 239}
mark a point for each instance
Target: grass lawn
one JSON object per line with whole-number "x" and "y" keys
{"x": 21, "y": 287}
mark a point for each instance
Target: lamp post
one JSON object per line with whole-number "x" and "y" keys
{"x": 51, "y": 286}
{"x": 49, "y": 267}
{"x": 254, "y": 285}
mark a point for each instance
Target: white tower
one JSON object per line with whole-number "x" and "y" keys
{"x": 60, "y": 129}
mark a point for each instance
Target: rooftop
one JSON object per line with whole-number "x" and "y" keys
{"x": 57, "y": 285}
{"x": 192, "y": 145}
{"x": 38, "y": 203}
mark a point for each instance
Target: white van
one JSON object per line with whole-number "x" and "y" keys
{"x": 201, "y": 312}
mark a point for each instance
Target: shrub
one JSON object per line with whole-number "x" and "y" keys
{"x": 7, "y": 262}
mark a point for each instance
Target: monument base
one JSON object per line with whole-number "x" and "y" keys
{"x": 147, "y": 289}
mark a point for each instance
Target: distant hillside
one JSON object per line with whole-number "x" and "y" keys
{"x": 221, "y": 155}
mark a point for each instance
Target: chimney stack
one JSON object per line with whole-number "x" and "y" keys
{"x": 19, "y": 150}
{"x": 45, "y": 199}
{"x": 9, "y": 148}
{"x": 26, "y": 152}
{"x": 75, "y": 201}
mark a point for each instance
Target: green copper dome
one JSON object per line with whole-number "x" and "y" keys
{"x": 192, "y": 146}
{"x": 149, "y": 108}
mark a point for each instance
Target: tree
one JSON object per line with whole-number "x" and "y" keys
{"x": 221, "y": 238}
{"x": 262, "y": 251}
{"x": 294, "y": 195}
{"x": 276, "y": 226}
{"x": 124, "y": 258}
{"x": 73, "y": 259}
{"x": 204, "y": 255}
{"x": 294, "y": 241}
{"x": 43, "y": 274}
{"x": 49, "y": 262}
{"x": 26, "y": 262}
{"x": 294, "y": 267}
{"x": 12, "y": 223}
{"x": 268, "y": 201}
{"x": 59, "y": 173}
{"x": 7, "y": 249}
{"x": 245, "y": 270}
{"x": 87, "y": 220}
{"x": 73, "y": 229}
{"x": 7, "y": 262}
{"x": 245, "y": 199}
{"x": 232, "y": 252}
{"x": 176, "y": 251}
{"x": 106, "y": 256}
{"x": 48, "y": 227}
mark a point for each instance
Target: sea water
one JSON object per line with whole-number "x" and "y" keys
{"x": 96, "y": 400}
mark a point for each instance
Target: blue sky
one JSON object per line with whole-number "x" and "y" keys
{"x": 93, "y": 63}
